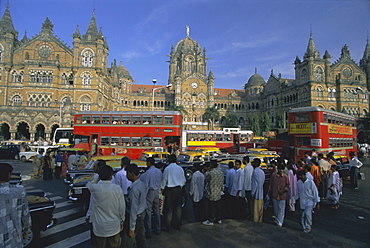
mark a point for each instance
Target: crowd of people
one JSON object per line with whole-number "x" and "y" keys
{"x": 125, "y": 207}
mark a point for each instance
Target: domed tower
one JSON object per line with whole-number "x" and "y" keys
{"x": 253, "y": 91}
{"x": 187, "y": 74}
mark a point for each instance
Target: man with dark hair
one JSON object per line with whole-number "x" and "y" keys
{"x": 258, "y": 179}
{"x": 15, "y": 218}
{"x": 325, "y": 167}
{"x": 307, "y": 157}
{"x": 354, "y": 164}
{"x": 120, "y": 178}
{"x": 173, "y": 180}
{"x": 196, "y": 192}
{"x": 308, "y": 197}
{"x": 237, "y": 191}
{"x": 135, "y": 211}
{"x": 248, "y": 171}
{"x": 279, "y": 186}
{"x": 152, "y": 179}
{"x": 214, "y": 183}
{"x": 107, "y": 209}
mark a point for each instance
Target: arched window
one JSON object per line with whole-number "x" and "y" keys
{"x": 87, "y": 58}
{"x": 319, "y": 92}
{"x": 86, "y": 78}
{"x": 17, "y": 100}
{"x": 64, "y": 78}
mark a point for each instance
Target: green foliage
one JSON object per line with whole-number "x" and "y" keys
{"x": 179, "y": 108}
{"x": 231, "y": 120}
{"x": 256, "y": 127}
{"x": 265, "y": 122}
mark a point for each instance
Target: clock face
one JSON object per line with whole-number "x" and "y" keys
{"x": 44, "y": 51}
{"x": 347, "y": 72}
{"x": 194, "y": 85}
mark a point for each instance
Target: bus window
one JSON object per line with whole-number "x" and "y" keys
{"x": 136, "y": 119}
{"x": 147, "y": 120}
{"x": 116, "y": 119}
{"x": 302, "y": 117}
{"x": 303, "y": 141}
{"x": 126, "y": 120}
{"x": 136, "y": 141}
{"x": 219, "y": 137}
{"x": 78, "y": 119}
{"x": 157, "y": 141}
{"x": 211, "y": 136}
{"x": 114, "y": 141}
{"x": 227, "y": 137}
{"x": 146, "y": 141}
{"x": 104, "y": 140}
{"x": 96, "y": 119}
{"x": 243, "y": 137}
{"x": 325, "y": 117}
{"x": 86, "y": 119}
{"x": 168, "y": 120}
{"x": 194, "y": 137}
{"x": 202, "y": 136}
{"x": 125, "y": 141}
{"x": 158, "y": 120}
{"x": 105, "y": 119}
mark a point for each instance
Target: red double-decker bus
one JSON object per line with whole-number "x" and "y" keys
{"x": 128, "y": 132}
{"x": 323, "y": 130}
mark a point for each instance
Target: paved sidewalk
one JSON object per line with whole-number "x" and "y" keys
{"x": 346, "y": 227}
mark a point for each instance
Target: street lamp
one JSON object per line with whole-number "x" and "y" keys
{"x": 154, "y": 89}
{"x": 61, "y": 105}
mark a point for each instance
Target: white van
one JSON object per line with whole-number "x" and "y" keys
{"x": 26, "y": 156}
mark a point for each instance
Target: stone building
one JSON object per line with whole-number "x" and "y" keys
{"x": 43, "y": 82}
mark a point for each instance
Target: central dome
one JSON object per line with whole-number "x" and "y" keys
{"x": 255, "y": 80}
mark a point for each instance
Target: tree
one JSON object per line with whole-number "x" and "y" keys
{"x": 281, "y": 120}
{"x": 210, "y": 115}
{"x": 265, "y": 122}
{"x": 256, "y": 125}
{"x": 231, "y": 120}
{"x": 179, "y": 108}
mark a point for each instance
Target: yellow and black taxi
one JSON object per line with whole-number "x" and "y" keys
{"x": 187, "y": 159}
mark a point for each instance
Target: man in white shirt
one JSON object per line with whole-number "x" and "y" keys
{"x": 354, "y": 164}
{"x": 172, "y": 182}
{"x": 72, "y": 160}
{"x": 238, "y": 192}
{"x": 248, "y": 171}
{"x": 309, "y": 197}
{"x": 120, "y": 178}
{"x": 107, "y": 209}
{"x": 196, "y": 193}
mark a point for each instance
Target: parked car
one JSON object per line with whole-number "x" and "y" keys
{"x": 78, "y": 179}
{"x": 35, "y": 150}
{"x": 188, "y": 159}
{"x": 10, "y": 151}
{"x": 158, "y": 156}
{"x": 41, "y": 209}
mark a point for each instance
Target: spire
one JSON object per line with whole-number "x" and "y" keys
{"x": 326, "y": 55}
{"x": 210, "y": 75}
{"x": 345, "y": 52}
{"x": 24, "y": 39}
{"x": 47, "y": 27}
{"x": 92, "y": 30}
{"x": 6, "y": 23}
{"x": 255, "y": 70}
{"x": 366, "y": 56}
{"x": 77, "y": 33}
{"x": 187, "y": 31}
{"x": 311, "y": 49}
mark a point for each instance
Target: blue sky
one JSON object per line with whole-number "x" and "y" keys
{"x": 238, "y": 35}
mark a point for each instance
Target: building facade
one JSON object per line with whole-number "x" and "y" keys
{"x": 43, "y": 82}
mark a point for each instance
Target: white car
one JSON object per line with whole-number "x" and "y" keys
{"x": 26, "y": 156}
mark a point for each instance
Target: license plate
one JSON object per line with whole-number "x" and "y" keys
{"x": 78, "y": 191}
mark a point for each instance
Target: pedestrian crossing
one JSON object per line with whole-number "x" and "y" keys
{"x": 70, "y": 230}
